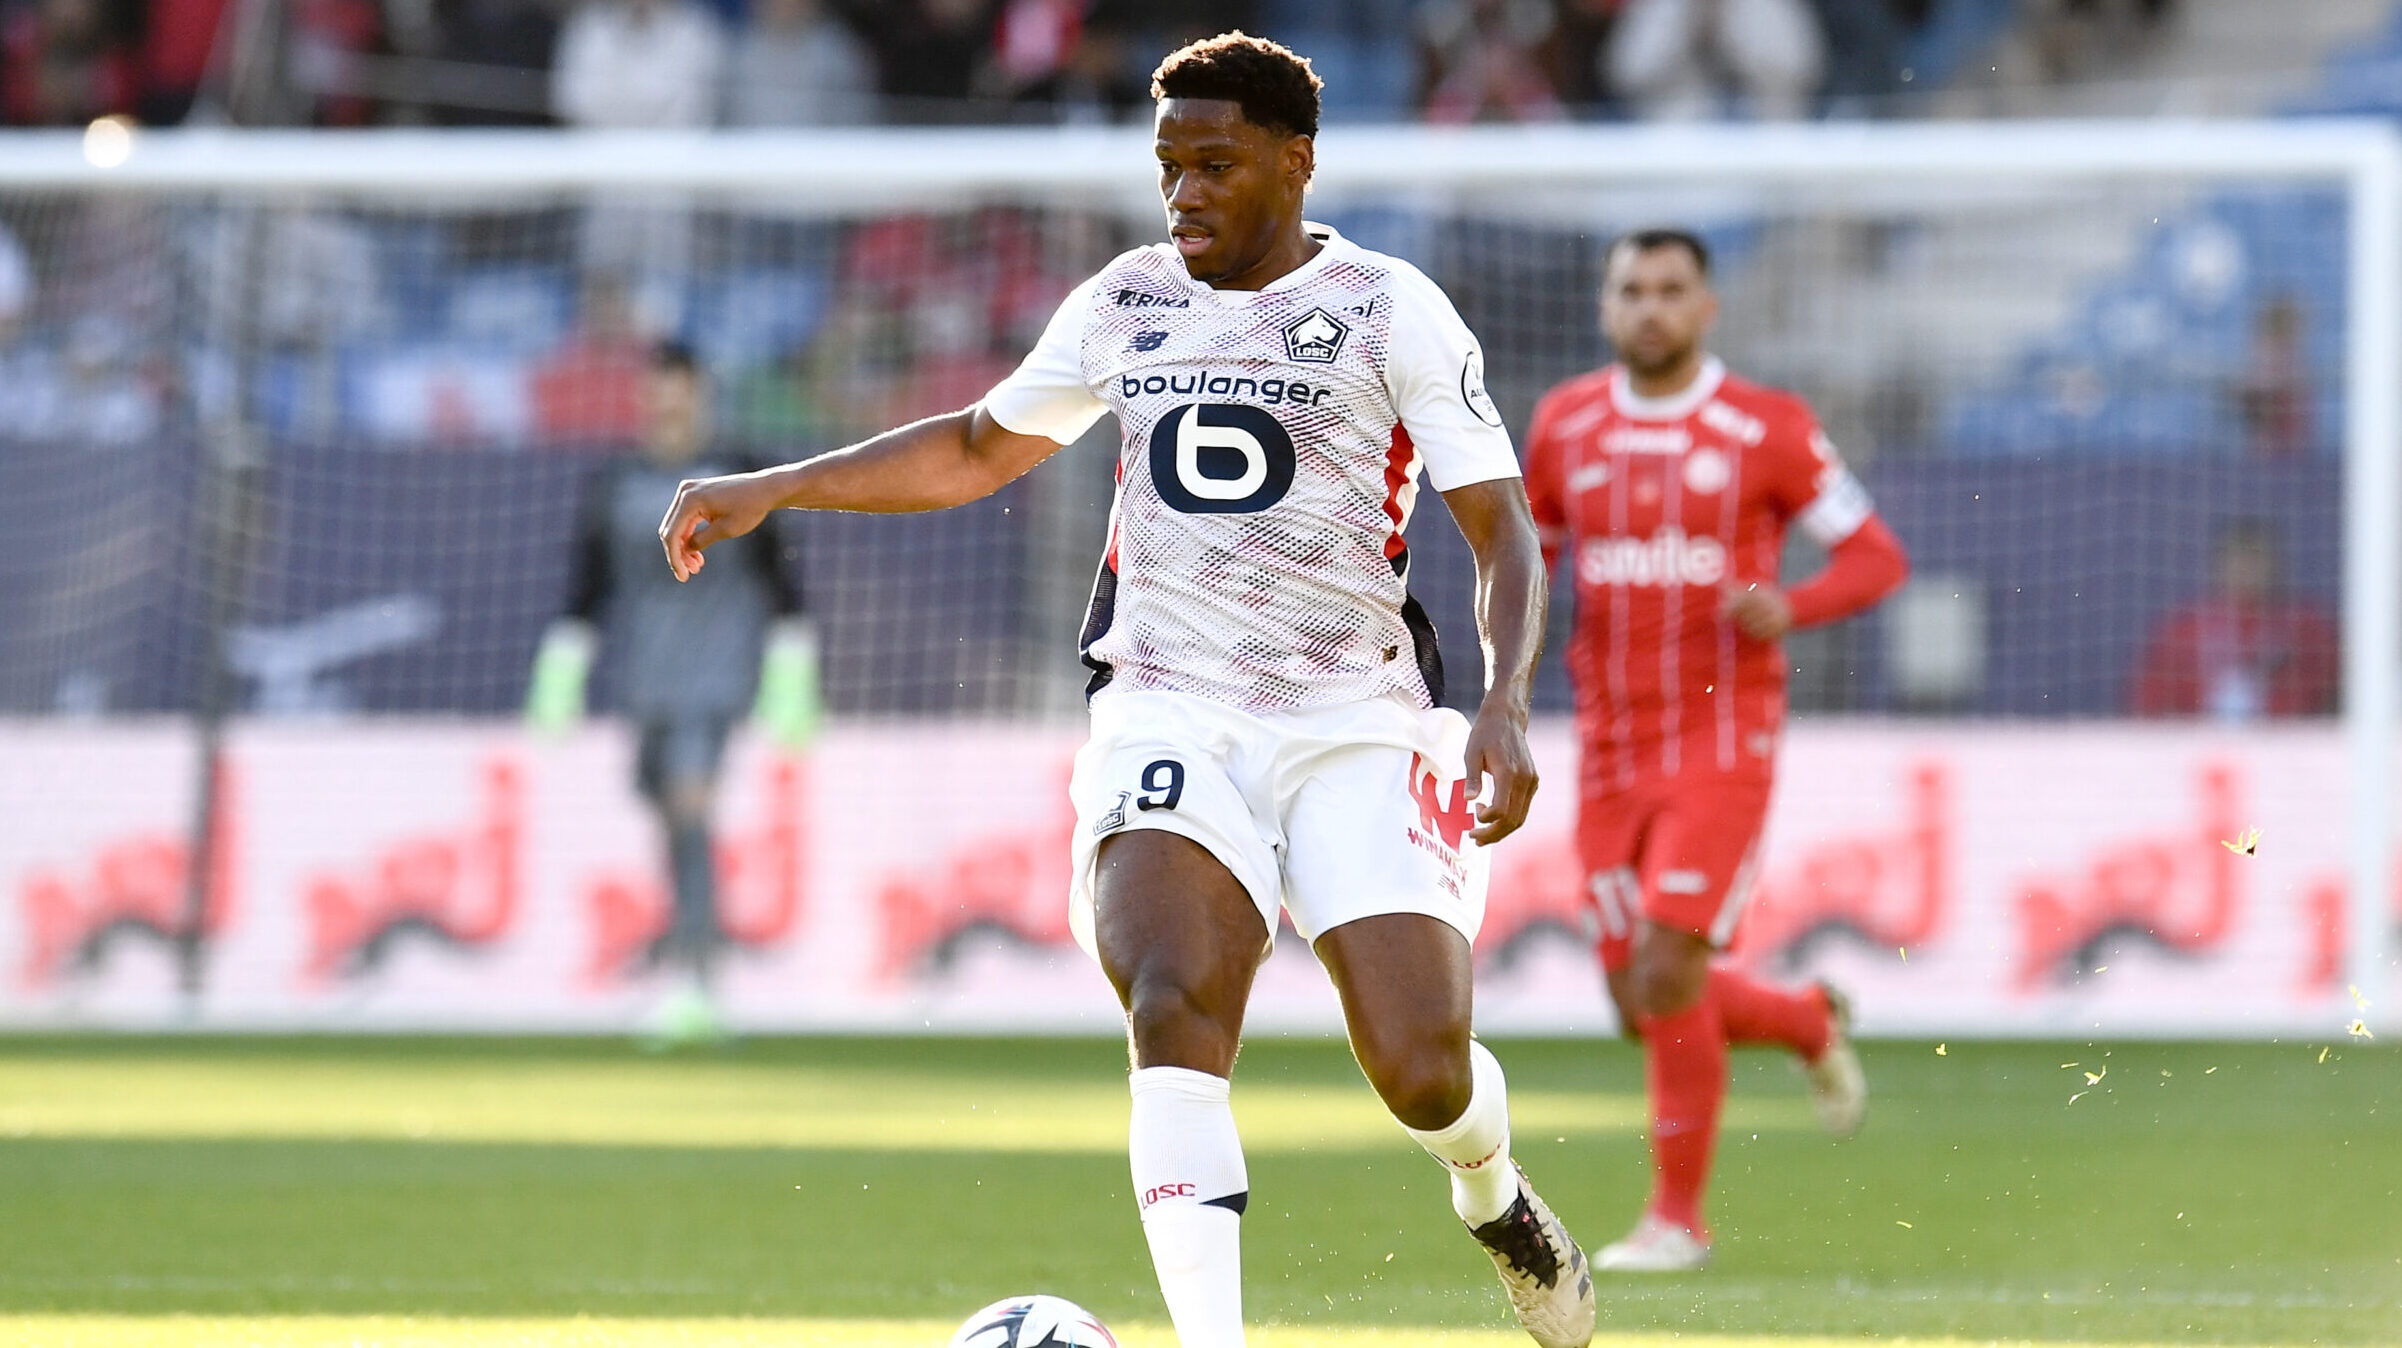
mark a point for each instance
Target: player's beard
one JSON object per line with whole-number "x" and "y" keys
{"x": 1653, "y": 367}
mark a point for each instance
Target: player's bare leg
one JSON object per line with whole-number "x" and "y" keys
{"x": 1181, "y": 940}
{"x": 1405, "y": 983}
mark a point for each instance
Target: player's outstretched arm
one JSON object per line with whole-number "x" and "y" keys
{"x": 933, "y": 464}
{"x": 1510, "y": 599}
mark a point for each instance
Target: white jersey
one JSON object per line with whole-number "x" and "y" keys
{"x": 1272, "y": 445}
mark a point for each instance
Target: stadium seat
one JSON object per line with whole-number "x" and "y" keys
{"x": 2150, "y": 361}
{"x": 441, "y": 395}
{"x": 743, "y": 319}
{"x": 521, "y": 310}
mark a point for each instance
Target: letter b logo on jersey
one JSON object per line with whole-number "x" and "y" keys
{"x": 1221, "y": 459}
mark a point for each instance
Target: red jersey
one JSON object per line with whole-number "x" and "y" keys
{"x": 1662, "y": 504}
{"x": 2239, "y": 658}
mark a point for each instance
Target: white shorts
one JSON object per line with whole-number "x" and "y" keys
{"x": 1334, "y": 813}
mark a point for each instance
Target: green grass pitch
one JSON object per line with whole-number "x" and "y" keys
{"x": 859, "y": 1193}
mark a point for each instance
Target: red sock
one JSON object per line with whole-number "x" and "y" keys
{"x": 1684, "y": 1064}
{"x": 1762, "y": 1013}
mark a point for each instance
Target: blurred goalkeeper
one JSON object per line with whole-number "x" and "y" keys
{"x": 684, "y": 663}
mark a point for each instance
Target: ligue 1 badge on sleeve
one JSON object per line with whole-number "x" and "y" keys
{"x": 1472, "y": 389}
{"x": 1316, "y": 337}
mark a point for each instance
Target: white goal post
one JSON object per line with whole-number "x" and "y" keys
{"x": 1545, "y": 175}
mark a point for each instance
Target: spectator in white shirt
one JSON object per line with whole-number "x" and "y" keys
{"x": 1682, "y": 59}
{"x": 638, "y": 63}
{"x": 654, "y": 64}
{"x": 799, "y": 66}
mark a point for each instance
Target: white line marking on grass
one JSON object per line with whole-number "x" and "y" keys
{"x": 1730, "y": 1290}
{"x": 393, "y": 1331}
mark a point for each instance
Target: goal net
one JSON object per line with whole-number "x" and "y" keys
{"x": 303, "y": 434}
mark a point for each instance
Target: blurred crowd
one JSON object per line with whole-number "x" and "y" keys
{"x": 678, "y": 63}
{"x": 524, "y": 329}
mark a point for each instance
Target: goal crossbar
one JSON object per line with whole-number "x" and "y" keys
{"x": 873, "y": 164}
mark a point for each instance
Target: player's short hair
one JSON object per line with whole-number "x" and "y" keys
{"x": 1661, "y": 236}
{"x": 1273, "y": 83}
{"x": 677, "y": 356}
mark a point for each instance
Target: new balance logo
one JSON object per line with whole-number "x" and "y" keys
{"x": 1144, "y": 299}
{"x": 1147, "y": 341}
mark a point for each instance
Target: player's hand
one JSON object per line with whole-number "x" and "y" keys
{"x": 1497, "y": 749}
{"x": 710, "y": 510}
{"x": 1757, "y": 610}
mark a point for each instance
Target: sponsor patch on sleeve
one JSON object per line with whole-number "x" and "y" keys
{"x": 1472, "y": 389}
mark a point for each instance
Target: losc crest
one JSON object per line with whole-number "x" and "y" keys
{"x": 1315, "y": 338}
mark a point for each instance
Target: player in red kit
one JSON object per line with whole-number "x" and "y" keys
{"x": 1669, "y": 484}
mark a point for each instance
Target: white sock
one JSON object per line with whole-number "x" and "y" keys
{"x": 1475, "y": 1147}
{"x": 1190, "y": 1184}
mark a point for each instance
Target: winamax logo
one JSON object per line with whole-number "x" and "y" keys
{"x": 1447, "y": 816}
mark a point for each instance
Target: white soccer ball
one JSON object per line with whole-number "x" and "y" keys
{"x": 1033, "y": 1322}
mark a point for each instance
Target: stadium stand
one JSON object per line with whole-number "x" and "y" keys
{"x": 2364, "y": 79}
{"x": 2203, "y": 328}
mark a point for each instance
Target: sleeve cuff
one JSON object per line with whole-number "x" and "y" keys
{"x": 1471, "y": 475}
{"x": 1051, "y": 418}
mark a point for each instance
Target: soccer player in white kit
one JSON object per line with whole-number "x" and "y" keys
{"x": 1266, "y": 698}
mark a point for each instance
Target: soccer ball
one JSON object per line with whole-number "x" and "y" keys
{"x": 1032, "y": 1322}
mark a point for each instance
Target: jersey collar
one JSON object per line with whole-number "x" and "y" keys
{"x": 1672, "y": 407}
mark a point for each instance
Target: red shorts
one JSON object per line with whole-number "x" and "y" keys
{"x": 1680, "y": 851}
